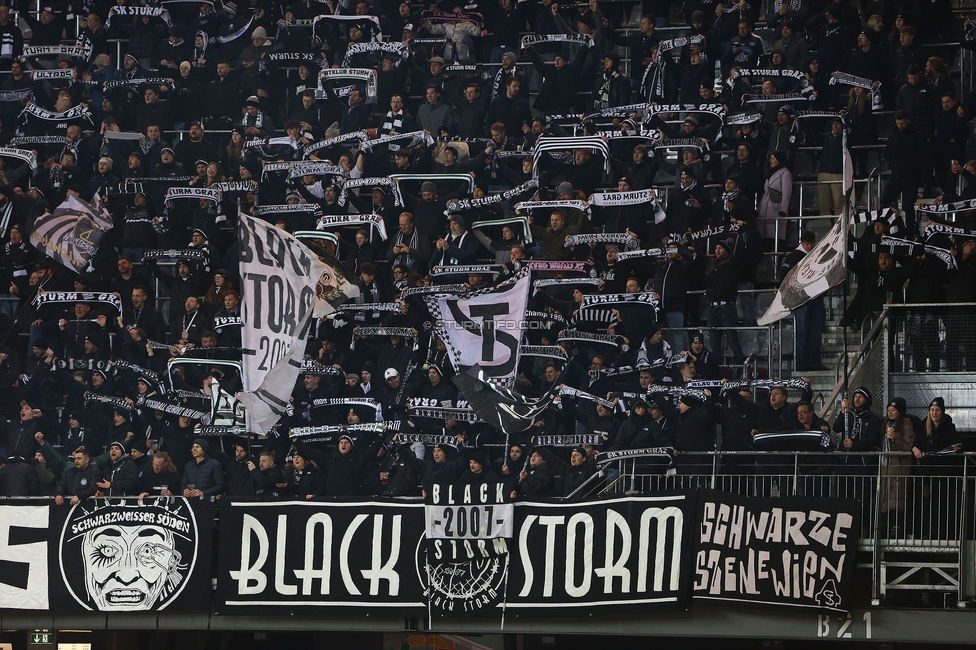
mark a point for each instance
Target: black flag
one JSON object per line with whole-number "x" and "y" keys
{"x": 502, "y": 408}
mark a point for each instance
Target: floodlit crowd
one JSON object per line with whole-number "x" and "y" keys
{"x": 405, "y": 141}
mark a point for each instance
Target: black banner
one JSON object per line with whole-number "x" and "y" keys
{"x": 629, "y": 554}
{"x": 106, "y": 555}
{"x": 791, "y": 551}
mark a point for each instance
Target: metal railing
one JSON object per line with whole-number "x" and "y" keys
{"x": 914, "y": 524}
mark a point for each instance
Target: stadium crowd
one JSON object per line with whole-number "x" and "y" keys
{"x": 300, "y": 114}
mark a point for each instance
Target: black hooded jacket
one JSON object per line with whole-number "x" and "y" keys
{"x": 343, "y": 472}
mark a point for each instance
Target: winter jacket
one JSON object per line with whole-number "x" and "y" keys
{"x": 19, "y": 479}
{"x": 557, "y": 92}
{"x": 206, "y": 476}
{"x": 722, "y": 281}
{"x": 304, "y": 483}
{"x": 777, "y": 194}
{"x": 343, "y": 473}
{"x": 448, "y": 471}
{"x": 906, "y": 152}
{"x": 540, "y": 482}
{"x": 405, "y": 473}
{"x": 79, "y": 483}
{"x": 153, "y": 483}
{"x": 573, "y": 476}
{"x": 266, "y": 481}
{"x": 124, "y": 477}
{"x": 922, "y": 103}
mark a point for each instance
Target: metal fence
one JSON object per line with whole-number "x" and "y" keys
{"x": 917, "y": 530}
{"x": 932, "y": 337}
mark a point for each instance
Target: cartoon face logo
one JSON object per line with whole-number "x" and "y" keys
{"x": 124, "y": 556}
{"x": 126, "y": 568}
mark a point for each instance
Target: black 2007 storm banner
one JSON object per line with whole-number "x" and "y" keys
{"x": 790, "y": 551}
{"x": 630, "y": 553}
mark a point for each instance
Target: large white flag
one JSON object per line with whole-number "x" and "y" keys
{"x": 821, "y": 269}
{"x": 485, "y": 329}
{"x": 280, "y": 276}
{"x": 824, "y": 266}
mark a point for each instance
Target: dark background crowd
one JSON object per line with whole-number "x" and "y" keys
{"x": 225, "y": 96}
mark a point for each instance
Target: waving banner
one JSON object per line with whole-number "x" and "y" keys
{"x": 282, "y": 280}
{"x": 821, "y": 269}
{"x": 72, "y": 233}
{"x": 484, "y": 328}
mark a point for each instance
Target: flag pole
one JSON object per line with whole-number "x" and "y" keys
{"x": 845, "y": 218}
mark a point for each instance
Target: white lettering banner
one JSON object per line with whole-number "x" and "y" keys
{"x": 281, "y": 278}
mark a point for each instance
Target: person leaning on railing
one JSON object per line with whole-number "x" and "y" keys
{"x": 935, "y": 443}
{"x": 860, "y": 428}
{"x": 899, "y": 435}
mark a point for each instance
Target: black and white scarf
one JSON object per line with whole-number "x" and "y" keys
{"x": 362, "y": 136}
{"x": 797, "y": 384}
{"x": 645, "y": 298}
{"x": 781, "y": 98}
{"x": 582, "y": 206}
{"x": 385, "y": 181}
{"x": 453, "y": 289}
{"x": 16, "y": 95}
{"x": 805, "y": 86}
{"x": 577, "y": 39}
{"x": 195, "y": 254}
{"x": 73, "y": 113}
{"x": 647, "y": 252}
{"x": 887, "y": 214}
{"x": 603, "y": 238}
{"x": 73, "y": 51}
{"x": 175, "y": 193}
{"x": 393, "y": 47}
{"x": 724, "y": 229}
{"x": 935, "y": 251}
{"x": 729, "y": 197}
{"x": 56, "y": 74}
{"x": 634, "y": 197}
{"x": 589, "y": 337}
{"x": 393, "y": 123}
{"x": 613, "y": 112}
{"x": 78, "y": 296}
{"x": 609, "y": 77}
{"x": 945, "y": 208}
{"x": 316, "y": 168}
{"x": 501, "y": 78}
{"x": 484, "y": 269}
{"x": 548, "y": 351}
{"x": 156, "y": 12}
{"x": 555, "y": 144}
{"x": 386, "y": 139}
{"x": 21, "y": 154}
{"x": 851, "y": 80}
{"x": 460, "y": 205}
{"x": 339, "y": 220}
{"x": 362, "y": 74}
{"x": 748, "y": 117}
{"x": 573, "y": 266}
